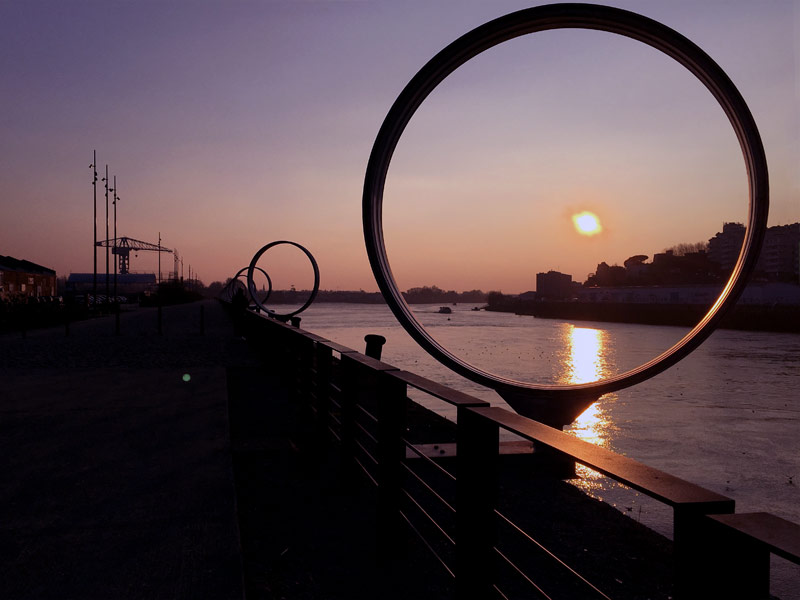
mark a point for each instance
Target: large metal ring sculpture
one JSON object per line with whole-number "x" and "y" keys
{"x": 542, "y": 18}
{"x": 251, "y": 269}
{"x": 251, "y": 289}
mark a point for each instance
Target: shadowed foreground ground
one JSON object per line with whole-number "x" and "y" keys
{"x": 121, "y": 479}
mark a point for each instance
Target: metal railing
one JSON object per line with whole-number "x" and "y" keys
{"x": 439, "y": 480}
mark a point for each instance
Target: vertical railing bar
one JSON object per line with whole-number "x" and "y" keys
{"x": 391, "y": 416}
{"x": 477, "y": 457}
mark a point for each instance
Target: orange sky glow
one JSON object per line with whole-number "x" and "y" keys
{"x": 231, "y": 125}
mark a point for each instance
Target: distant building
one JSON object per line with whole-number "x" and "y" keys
{"x": 763, "y": 293}
{"x": 22, "y": 278}
{"x": 553, "y": 286}
{"x": 780, "y": 254}
{"x": 129, "y": 284}
{"x": 725, "y": 246}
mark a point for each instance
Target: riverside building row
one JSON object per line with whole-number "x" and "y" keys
{"x": 22, "y": 279}
{"x": 693, "y": 277}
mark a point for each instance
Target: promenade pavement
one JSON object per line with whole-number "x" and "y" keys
{"x": 116, "y": 477}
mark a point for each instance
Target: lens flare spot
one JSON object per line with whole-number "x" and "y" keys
{"x": 587, "y": 223}
{"x": 186, "y": 377}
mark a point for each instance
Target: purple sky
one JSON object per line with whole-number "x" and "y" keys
{"x": 233, "y": 124}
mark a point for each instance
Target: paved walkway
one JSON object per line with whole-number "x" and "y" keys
{"x": 116, "y": 477}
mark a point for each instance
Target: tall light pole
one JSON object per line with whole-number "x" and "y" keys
{"x": 159, "y": 257}
{"x": 116, "y": 256}
{"x": 105, "y": 179}
{"x": 93, "y": 166}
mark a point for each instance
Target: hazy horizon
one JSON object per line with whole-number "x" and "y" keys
{"x": 233, "y": 124}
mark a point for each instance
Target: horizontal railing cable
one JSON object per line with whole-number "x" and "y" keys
{"x": 427, "y": 486}
{"x": 366, "y": 452}
{"x": 522, "y": 574}
{"x": 429, "y": 517}
{"x": 366, "y": 412}
{"x": 424, "y": 541}
{"x": 429, "y": 460}
{"x": 366, "y": 432}
{"x": 550, "y": 554}
{"x": 366, "y": 471}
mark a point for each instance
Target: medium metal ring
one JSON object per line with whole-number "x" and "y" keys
{"x": 543, "y": 18}
{"x": 252, "y": 267}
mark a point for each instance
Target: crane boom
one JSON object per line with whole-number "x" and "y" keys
{"x": 122, "y": 246}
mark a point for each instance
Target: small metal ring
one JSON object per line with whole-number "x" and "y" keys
{"x": 542, "y": 18}
{"x": 314, "y": 266}
{"x": 251, "y": 289}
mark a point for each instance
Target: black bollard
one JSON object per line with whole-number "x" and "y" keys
{"x": 374, "y": 345}
{"x": 202, "y": 320}
{"x": 295, "y": 321}
{"x": 159, "y": 318}
{"x": 116, "y": 319}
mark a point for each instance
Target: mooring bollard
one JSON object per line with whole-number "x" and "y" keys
{"x": 295, "y": 321}
{"x": 374, "y": 345}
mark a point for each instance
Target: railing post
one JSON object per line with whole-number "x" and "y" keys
{"x": 348, "y": 400}
{"x": 391, "y": 415}
{"x": 476, "y": 499}
{"x": 698, "y": 559}
{"x": 322, "y": 394}
{"x": 305, "y": 369}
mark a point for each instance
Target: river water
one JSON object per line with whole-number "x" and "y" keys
{"x": 726, "y": 418}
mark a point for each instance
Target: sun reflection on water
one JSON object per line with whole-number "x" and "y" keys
{"x": 589, "y": 358}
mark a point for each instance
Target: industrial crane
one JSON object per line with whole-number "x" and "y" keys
{"x": 122, "y": 247}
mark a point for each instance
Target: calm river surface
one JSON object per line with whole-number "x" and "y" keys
{"x": 727, "y": 417}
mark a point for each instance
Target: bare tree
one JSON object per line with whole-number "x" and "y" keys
{"x": 685, "y": 248}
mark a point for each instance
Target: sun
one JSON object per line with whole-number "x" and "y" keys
{"x": 587, "y": 223}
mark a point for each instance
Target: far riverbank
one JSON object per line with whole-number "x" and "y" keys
{"x": 743, "y": 317}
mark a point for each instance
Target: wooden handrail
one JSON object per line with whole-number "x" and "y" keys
{"x": 777, "y": 535}
{"x": 438, "y": 390}
{"x": 657, "y": 484}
